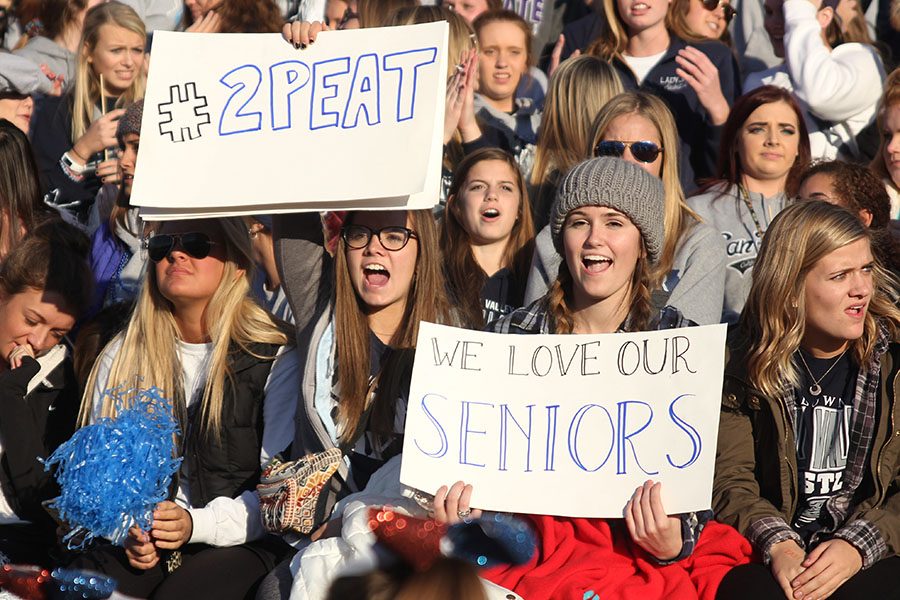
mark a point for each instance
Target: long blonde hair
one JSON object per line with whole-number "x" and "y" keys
{"x": 579, "y": 88}
{"x": 150, "y": 342}
{"x": 774, "y": 317}
{"x": 86, "y": 91}
{"x": 678, "y": 217}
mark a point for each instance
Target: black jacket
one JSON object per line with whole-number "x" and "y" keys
{"x": 51, "y": 137}
{"x": 31, "y": 427}
{"x": 229, "y": 465}
{"x": 699, "y": 138}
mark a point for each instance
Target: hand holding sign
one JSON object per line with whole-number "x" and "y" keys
{"x": 585, "y": 419}
{"x": 452, "y": 505}
{"x": 650, "y": 526}
{"x": 225, "y": 106}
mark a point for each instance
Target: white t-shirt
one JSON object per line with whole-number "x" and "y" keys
{"x": 227, "y": 521}
{"x": 641, "y": 65}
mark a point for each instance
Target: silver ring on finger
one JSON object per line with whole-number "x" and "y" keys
{"x": 464, "y": 514}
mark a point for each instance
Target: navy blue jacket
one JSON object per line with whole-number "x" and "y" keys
{"x": 699, "y": 138}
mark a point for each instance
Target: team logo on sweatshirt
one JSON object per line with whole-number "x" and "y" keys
{"x": 672, "y": 83}
{"x": 742, "y": 249}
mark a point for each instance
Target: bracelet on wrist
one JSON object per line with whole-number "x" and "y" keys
{"x": 73, "y": 170}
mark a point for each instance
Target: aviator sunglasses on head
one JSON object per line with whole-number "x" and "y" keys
{"x": 645, "y": 152}
{"x": 194, "y": 243}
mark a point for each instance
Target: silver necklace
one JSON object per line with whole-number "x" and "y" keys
{"x": 815, "y": 389}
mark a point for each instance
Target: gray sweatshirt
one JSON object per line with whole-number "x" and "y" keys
{"x": 44, "y": 51}
{"x": 696, "y": 283}
{"x": 725, "y": 210}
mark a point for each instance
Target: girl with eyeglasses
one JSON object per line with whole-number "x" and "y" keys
{"x": 764, "y": 150}
{"x": 690, "y": 273}
{"x": 698, "y": 81}
{"x": 231, "y": 375}
{"x": 42, "y": 293}
{"x": 807, "y": 460}
{"x": 357, "y": 315}
{"x": 838, "y": 84}
{"x": 487, "y": 238}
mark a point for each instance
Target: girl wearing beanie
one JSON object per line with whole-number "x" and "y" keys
{"x": 690, "y": 273}
{"x": 605, "y": 224}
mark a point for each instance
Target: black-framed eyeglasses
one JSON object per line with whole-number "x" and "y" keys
{"x": 642, "y": 151}
{"x": 195, "y": 244}
{"x": 727, "y": 8}
{"x": 391, "y": 238}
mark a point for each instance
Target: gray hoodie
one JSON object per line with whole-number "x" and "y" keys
{"x": 724, "y": 209}
{"x": 44, "y": 51}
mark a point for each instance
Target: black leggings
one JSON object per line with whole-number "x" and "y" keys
{"x": 881, "y": 581}
{"x": 205, "y": 571}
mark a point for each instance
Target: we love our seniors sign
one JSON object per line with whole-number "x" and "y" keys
{"x": 565, "y": 425}
{"x": 247, "y": 124}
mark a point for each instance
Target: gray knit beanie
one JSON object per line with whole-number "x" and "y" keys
{"x": 620, "y": 185}
{"x": 130, "y": 121}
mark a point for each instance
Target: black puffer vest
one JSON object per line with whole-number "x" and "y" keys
{"x": 229, "y": 465}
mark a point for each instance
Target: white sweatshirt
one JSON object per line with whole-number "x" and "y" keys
{"x": 840, "y": 86}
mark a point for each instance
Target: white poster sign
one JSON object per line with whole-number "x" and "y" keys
{"x": 565, "y": 425}
{"x": 246, "y": 123}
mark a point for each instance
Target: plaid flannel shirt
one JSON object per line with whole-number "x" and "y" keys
{"x": 861, "y": 534}
{"x": 535, "y": 318}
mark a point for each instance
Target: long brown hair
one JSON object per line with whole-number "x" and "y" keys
{"x": 249, "y": 16}
{"x": 774, "y": 317}
{"x": 728, "y": 167}
{"x": 20, "y": 188}
{"x": 425, "y": 301}
{"x": 379, "y": 13}
{"x": 465, "y": 278}
{"x": 559, "y": 298}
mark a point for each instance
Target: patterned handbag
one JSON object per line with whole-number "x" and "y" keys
{"x": 289, "y": 491}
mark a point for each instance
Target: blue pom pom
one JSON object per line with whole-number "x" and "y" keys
{"x": 114, "y": 472}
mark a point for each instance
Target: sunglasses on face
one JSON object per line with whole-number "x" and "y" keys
{"x": 645, "y": 152}
{"x": 193, "y": 243}
{"x": 712, "y": 5}
{"x": 391, "y": 238}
